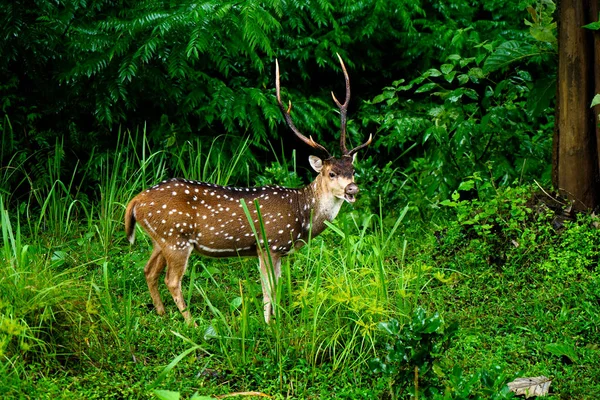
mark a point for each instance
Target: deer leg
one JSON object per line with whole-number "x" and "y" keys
{"x": 152, "y": 270}
{"x": 176, "y": 265}
{"x": 268, "y": 279}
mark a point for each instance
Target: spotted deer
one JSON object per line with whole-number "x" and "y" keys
{"x": 182, "y": 215}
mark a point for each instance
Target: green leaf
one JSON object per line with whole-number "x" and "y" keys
{"x": 466, "y": 185}
{"x": 595, "y": 100}
{"x": 426, "y": 87}
{"x": 475, "y": 74}
{"x": 448, "y": 203}
{"x": 562, "y": 349}
{"x": 388, "y": 94}
{"x": 450, "y": 76}
{"x": 463, "y": 78}
{"x": 235, "y": 303}
{"x": 167, "y": 394}
{"x": 465, "y": 61}
{"x": 594, "y": 25}
{"x": 509, "y": 52}
{"x": 540, "y": 95}
{"x": 392, "y": 327}
{"x": 432, "y": 324}
{"x": 446, "y": 68}
{"x": 433, "y": 72}
{"x": 544, "y": 33}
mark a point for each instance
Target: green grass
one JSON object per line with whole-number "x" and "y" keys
{"x": 76, "y": 320}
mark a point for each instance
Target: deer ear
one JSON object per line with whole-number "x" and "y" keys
{"x": 316, "y": 163}
{"x": 353, "y": 158}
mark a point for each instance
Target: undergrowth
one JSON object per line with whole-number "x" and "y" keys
{"x": 381, "y": 305}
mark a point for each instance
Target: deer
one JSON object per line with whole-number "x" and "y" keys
{"x": 182, "y": 216}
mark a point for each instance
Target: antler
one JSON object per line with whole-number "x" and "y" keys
{"x": 288, "y": 118}
{"x": 343, "y": 115}
{"x": 343, "y": 108}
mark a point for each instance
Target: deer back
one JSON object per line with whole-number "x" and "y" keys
{"x": 180, "y": 213}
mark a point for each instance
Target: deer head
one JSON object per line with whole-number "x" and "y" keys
{"x": 336, "y": 174}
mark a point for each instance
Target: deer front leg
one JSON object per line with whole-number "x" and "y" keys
{"x": 268, "y": 279}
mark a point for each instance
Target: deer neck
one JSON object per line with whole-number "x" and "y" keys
{"x": 322, "y": 203}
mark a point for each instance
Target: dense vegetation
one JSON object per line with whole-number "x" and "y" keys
{"x": 456, "y": 270}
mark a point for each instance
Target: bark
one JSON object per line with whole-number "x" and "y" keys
{"x": 576, "y": 153}
{"x": 593, "y": 17}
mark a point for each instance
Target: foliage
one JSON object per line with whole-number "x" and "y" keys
{"x": 155, "y": 61}
{"x": 79, "y": 70}
{"x": 413, "y": 362}
{"x": 41, "y": 304}
{"x": 414, "y": 350}
{"x": 95, "y": 336}
{"x": 481, "y": 112}
{"x": 470, "y": 126}
{"x": 519, "y": 267}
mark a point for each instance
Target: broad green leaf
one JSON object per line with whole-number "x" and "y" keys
{"x": 544, "y": 33}
{"x": 475, "y": 74}
{"x": 235, "y": 303}
{"x": 392, "y": 327}
{"x": 509, "y": 52}
{"x": 595, "y": 100}
{"x": 417, "y": 80}
{"x": 433, "y": 72}
{"x": 470, "y": 93}
{"x": 383, "y": 96}
{"x": 466, "y": 185}
{"x": 594, "y": 25}
{"x": 167, "y": 394}
{"x": 562, "y": 349}
{"x": 465, "y": 61}
{"x": 426, "y": 87}
{"x": 448, "y": 203}
{"x": 540, "y": 95}
{"x": 446, "y": 68}
{"x": 433, "y": 324}
{"x": 450, "y": 76}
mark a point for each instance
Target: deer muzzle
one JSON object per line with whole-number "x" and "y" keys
{"x": 350, "y": 192}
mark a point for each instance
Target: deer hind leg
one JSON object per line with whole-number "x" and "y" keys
{"x": 154, "y": 267}
{"x": 177, "y": 260}
{"x": 269, "y": 280}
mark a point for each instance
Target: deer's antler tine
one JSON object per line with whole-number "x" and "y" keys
{"x": 343, "y": 108}
{"x": 288, "y": 118}
{"x": 368, "y": 142}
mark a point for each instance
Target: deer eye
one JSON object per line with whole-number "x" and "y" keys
{"x": 332, "y": 174}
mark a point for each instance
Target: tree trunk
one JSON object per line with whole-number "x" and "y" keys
{"x": 576, "y": 153}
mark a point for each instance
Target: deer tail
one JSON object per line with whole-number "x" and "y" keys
{"x": 130, "y": 221}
